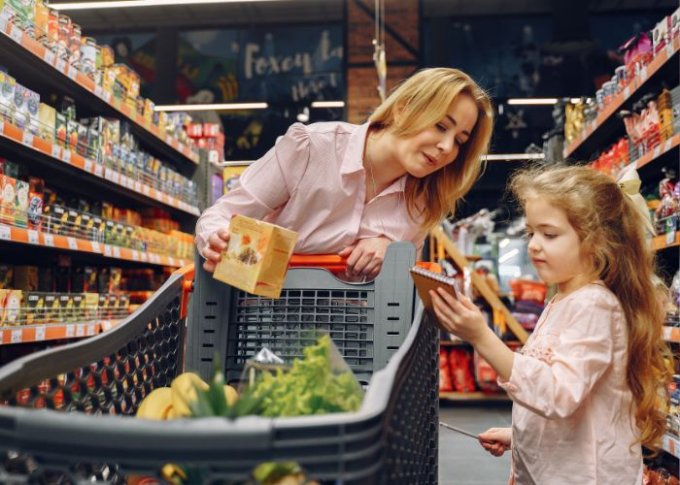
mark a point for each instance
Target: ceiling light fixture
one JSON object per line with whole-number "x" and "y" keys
{"x": 137, "y": 3}
{"x": 500, "y": 157}
{"x": 328, "y": 104}
{"x": 539, "y": 101}
{"x": 531, "y": 101}
{"x": 211, "y": 107}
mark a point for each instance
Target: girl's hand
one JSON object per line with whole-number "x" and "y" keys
{"x": 212, "y": 252}
{"x": 496, "y": 440}
{"x": 365, "y": 257}
{"x": 458, "y": 315}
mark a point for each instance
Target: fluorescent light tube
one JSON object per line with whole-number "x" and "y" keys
{"x": 508, "y": 256}
{"x": 531, "y": 101}
{"x": 136, "y": 3}
{"x": 211, "y": 107}
{"x": 328, "y": 104}
{"x": 513, "y": 156}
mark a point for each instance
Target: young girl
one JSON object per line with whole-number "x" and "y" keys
{"x": 353, "y": 189}
{"x": 589, "y": 385}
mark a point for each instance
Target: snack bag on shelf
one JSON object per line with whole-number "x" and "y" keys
{"x": 460, "y": 363}
{"x": 485, "y": 375}
{"x": 444, "y": 372}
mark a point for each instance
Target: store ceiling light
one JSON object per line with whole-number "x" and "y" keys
{"x": 211, "y": 107}
{"x": 537, "y": 101}
{"x": 137, "y": 3}
{"x": 328, "y": 104}
{"x": 501, "y": 157}
{"x": 531, "y": 101}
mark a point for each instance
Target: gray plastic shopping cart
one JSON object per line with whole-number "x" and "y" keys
{"x": 66, "y": 417}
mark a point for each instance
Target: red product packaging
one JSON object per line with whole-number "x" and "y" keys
{"x": 444, "y": 372}
{"x": 460, "y": 363}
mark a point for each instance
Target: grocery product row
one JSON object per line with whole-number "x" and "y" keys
{"x": 28, "y": 203}
{"x": 58, "y": 42}
{"x": 104, "y": 142}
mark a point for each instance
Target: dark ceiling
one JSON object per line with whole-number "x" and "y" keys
{"x": 315, "y": 11}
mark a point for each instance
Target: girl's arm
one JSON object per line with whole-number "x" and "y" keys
{"x": 561, "y": 368}
{"x": 462, "y": 317}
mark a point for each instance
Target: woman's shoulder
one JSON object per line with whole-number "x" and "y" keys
{"x": 329, "y": 128}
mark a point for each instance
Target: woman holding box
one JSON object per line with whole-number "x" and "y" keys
{"x": 353, "y": 189}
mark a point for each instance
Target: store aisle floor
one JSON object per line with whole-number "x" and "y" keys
{"x": 462, "y": 461}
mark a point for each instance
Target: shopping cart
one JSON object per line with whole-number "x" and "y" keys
{"x": 100, "y": 381}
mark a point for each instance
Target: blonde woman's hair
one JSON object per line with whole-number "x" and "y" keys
{"x": 421, "y": 102}
{"x": 612, "y": 235}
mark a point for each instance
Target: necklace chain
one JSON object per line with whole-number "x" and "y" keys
{"x": 375, "y": 192}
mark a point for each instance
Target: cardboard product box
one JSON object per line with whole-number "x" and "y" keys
{"x": 74, "y": 223}
{"x": 21, "y": 116}
{"x": 7, "y": 87}
{"x": 72, "y": 135}
{"x": 21, "y": 204}
{"x": 24, "y": 14}
{"x": 91, "y": 304}
{"x": 123, "y": 304}
{"x": 47, "y": 120}
{"x": 52, "y": 308}
{"x": 32, "y": 103}
{"x": 103, "y": 310}
{"x": 57, "y": 217}
{"x": 7, "y": 197}
{"x": 26, "y": 278}
{"x": 80, "y": 313}
{"x": 116, "y": 274}
{"x": 36, "y": 187}
{"x": 12, "y": 314}
{"x": 112, "y": 306}
{"x": 66, "y": 308}
{"x": 256, "y": 259}
{"x": 35, "y": 308}
{"x": 6, "y": 276}
{"x": 60, "y": 130}
{"x": 90, "y": 279}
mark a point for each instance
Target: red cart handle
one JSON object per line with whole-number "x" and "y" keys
{"x": 331, "y": 262}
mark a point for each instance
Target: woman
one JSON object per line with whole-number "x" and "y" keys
{"x": 353, "y": 189}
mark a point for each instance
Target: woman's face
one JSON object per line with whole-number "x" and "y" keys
{"x": 439, "y": 145}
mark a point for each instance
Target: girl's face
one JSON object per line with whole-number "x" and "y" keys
{"x": 554, "y": 247}
{"x": 437, "y": 146}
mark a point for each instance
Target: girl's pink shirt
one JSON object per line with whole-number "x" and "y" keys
{"x": 573, "y": 414}
{"x": 313, "y": 182}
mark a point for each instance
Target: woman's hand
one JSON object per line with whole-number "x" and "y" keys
{"x": 212, "y": 252}
{"x": 496, "y": 440}
{"x": 365, "y": 257}
{"x": 458, "y": 315}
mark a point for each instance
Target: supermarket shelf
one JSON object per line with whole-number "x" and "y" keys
{"x": 671, "y": 334}
{"x": 58, "y": 154}
{"x": 595, "y": 133}
{"x": 51, "y": 331}
{"x": 671, "y": 445}
{"x": 26, "y": 58}
{"x": 670, "y": 240}
{"x": 658, "y": 152}
{"x": 29, "y": 236}
{"x": 472, "y": 396}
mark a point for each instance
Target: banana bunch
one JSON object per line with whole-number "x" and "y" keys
{"x": 174, "y": 402}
